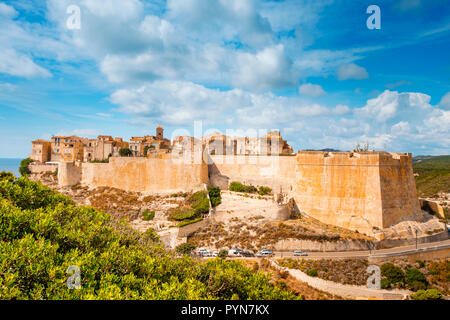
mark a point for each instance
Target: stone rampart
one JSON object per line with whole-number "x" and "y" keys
{"x": 276, "y": 172}
{"x": 356, "y": 191}
{"x": 137, "y": 174}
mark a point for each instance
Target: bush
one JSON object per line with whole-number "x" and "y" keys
{"x": 223, "y": 254}
{"x": 239, "y": 187}
{"x": 125, "y": 152}
{"x": 262, "y": 191}
{"x": 199, "y": 202}
{"x": 431, "y": 294}
{"x": 147, "y": 216}
{"x": 421, "y": 263}
{"x": 23, "y": 169}
{"x": 415, "y": 279}
{"x": 312, "y": 272}
{"x": 385, "y": 283}
{"x": 214, "y": 196}
{"x": 42, "y": 233}
{"x": 392, "y": 274}
{"x": 180, "y": 215}
{"x": 188, "y": 222}
{"x": 185, "y": 248}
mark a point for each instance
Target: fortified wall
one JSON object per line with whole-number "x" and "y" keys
{"x": 354, "y": 190}
{"x": 357, "y": 191}
{"x": 162, "y": 175}
{"x": 276, "y": 172}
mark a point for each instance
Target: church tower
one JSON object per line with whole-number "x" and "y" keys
{"x": 159, "y": 133}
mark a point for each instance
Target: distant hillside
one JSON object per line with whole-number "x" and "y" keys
{"x": 433, "y": 175}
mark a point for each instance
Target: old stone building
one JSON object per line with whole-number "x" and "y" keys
{"x": 67, "y": 148}
{"x": 102, "y": 148}
{"x": 272, "y": 144}
{"x": 142, "y": 146}
{"x": 41, "y": 151}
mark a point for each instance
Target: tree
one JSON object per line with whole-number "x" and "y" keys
{"x": 223, "y": 254}
{"x": 23, "y": 169}
{"x": 125, "y": 152}
{"x": 146, "y": 150}
{"x": 431, "y": 294}
{"x": 185, "y": 248}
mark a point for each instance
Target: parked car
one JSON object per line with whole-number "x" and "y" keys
{"x": 215, "y": 253}
{"x": 247, "y": 254}
{"x": 299, "y": 253}
{"x": 235, "y": 253}
{"x": 264, "y": 253}
{"x": 204, "y": 253}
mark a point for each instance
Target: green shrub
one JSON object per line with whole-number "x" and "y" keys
{"x": 262, "y": 191}
{"x": 431, "y": 294}
{"x": 181, "y": 215}
{"x": 415, "y": 279}
{"x": 42, "y": 233}
{"x": 214, "y": 195}
{"x": 185, "y": 248}
{"x": 125, "y": 152}
{"x": 147, "y": 216}
{"x": 392, "y": 274}
{"x": 239, "y": 187}
{"x": 312, "y": 272}
{"x": 199, "y": 202}
{"x": 23, "y": 169}
{"x": 223, "y": 254}
{"x": 385, "y": 283}
{"x": 188, "y": 222}
{"x": 421, "y": 263}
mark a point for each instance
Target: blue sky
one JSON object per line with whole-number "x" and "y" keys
{"x": 311, "y": 69}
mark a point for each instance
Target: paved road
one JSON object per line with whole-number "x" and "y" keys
{"x": 358, "y": 254}
{"x": 365, "y": 254}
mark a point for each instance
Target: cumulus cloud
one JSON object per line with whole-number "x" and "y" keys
{"x": 445, "y": 101}
{"x": 392, "y": 104}
{"x": 265, "y": 70}
{"x": 231, "y": 20}
{"x": 352, "y": 71}
{"x": 7, "y": 11}
{"x": 17, "y": 64}
{"x": 15, "y": 59}
{"x": 312, "y": 90}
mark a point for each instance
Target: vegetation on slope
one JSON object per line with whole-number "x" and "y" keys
{"x": 432, "y": 175}
{"x": 43, "y": 233}
{"x": 422, "y": 275}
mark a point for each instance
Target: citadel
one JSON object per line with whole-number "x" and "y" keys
{"x": 363, "y": 191}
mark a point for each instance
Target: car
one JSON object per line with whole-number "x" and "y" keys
{"x": 215, "y": 253}
{"x": 206, "y": 253}
{"x": 247, "y": 254}
{"x": 299, "y": 253}
{"x": 264, "y": 253}
{"x": 235, "y": 253}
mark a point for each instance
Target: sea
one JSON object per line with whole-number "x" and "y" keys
{"x": 11, "y": 165}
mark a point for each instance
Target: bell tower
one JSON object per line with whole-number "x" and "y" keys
{"x": 160, "y": 133}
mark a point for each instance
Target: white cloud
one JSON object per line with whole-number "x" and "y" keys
{"x": 312, "y": 90}
{"x": 391, "y": 104}
{"x": 445, "y": 101}
{"x": 7, "y": 11}
{"x": 231, "y": 20}
{"x": 17, "y": 64}
{"x": 266, "y": 70}
{"x": 352, "y": 71}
